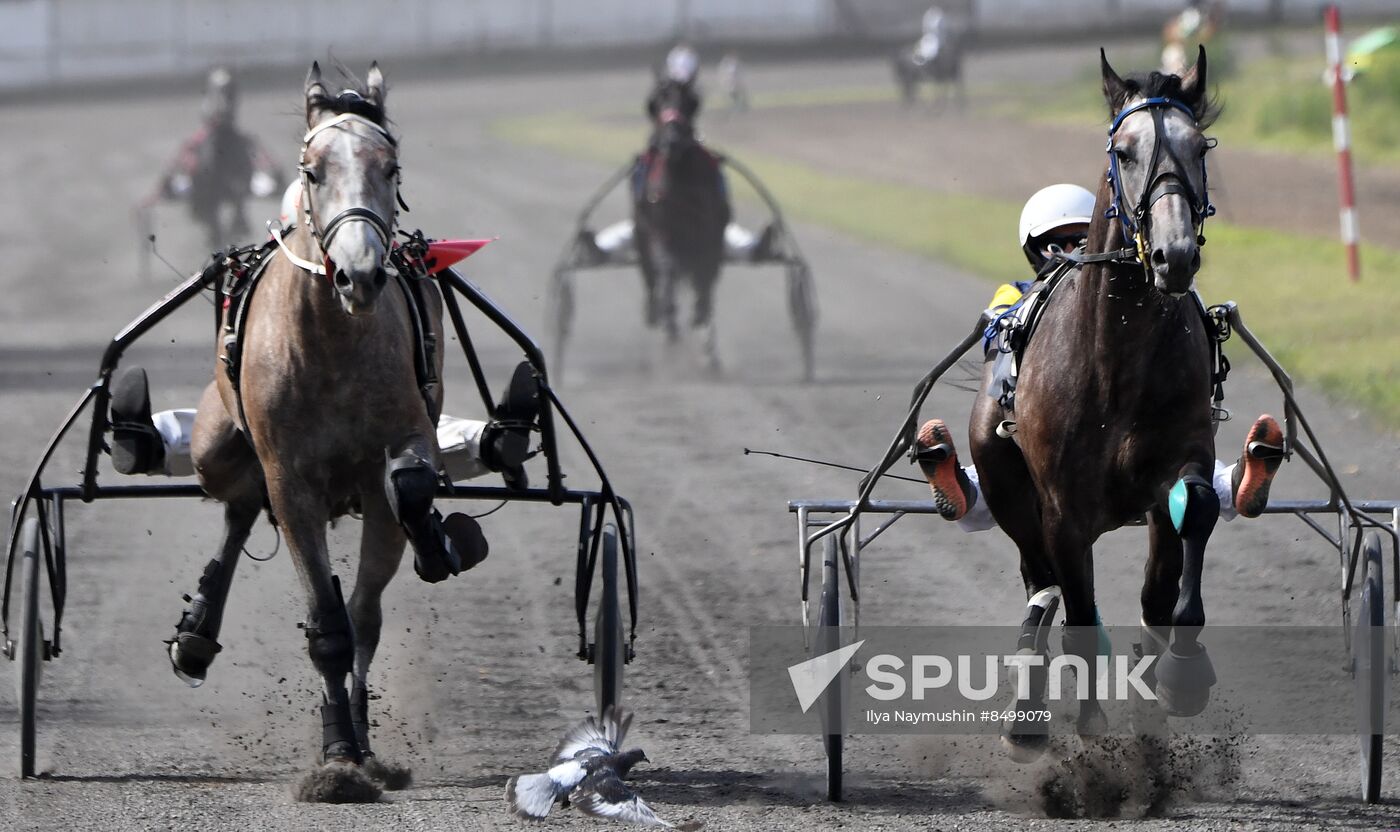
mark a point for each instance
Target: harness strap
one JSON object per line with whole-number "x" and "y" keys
{"x": 299, "y": 262}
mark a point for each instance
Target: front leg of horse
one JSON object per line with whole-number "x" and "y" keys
{"x": 381, "y": 551}
{"x": 330, "y": 642}
{"x": 1185, "y": 674}
{"x": 703, "y": 316}
{"x": 440, "y": 549}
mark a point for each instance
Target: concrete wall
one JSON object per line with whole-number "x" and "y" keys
{"x": 56, "y": 41}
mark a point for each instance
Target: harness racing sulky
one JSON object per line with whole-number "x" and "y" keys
{"x": 1100, "y": 396}
{"x": 332, "y": 329}
{"x": 680, "y": 236}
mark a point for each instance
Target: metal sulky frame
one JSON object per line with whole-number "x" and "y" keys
{"x": 801, "y": 294}
{"x": 37, "y": 546}
{"x": 1363, "y": 528}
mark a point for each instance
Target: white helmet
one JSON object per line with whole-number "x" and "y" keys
{"x": 682, "y": 63}
{"x": 291, "y": 203}
{"x": 1054, "y": 207}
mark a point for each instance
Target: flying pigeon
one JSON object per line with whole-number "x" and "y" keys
{"x": 586, "y": 770}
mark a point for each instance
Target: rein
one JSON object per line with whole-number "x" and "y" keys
{"x": 382, "y": 228}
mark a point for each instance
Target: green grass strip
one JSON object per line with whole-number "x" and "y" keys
{"x": 1291, "y": 288}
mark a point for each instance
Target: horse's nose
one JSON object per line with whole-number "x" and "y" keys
{"x": 1175, "y": 264}
{"x": 359, "y": 288}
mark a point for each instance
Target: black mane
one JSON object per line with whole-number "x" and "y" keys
{"x": 1163, "y": 85}
{"x": 353, "y": 98}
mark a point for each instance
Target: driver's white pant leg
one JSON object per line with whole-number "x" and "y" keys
{"x": 739, "y": 242}
{"x": 1222, "y": 478}
{"x": 459, "y": 444}
{"x": 176, "y": 428}
{"x": 978, "y": 518}
{"x": 616, "y": 241}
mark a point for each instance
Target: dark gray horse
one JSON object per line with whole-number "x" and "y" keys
{"x": 680, "y": 209}
{"x": 1113, "y": 406}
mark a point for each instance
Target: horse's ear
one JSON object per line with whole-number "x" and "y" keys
{"x": 1193, "y": 83}
{"x": 1115, "y": 89}
{"x": 315, "y": 90}
{"x": 375, "y": 82}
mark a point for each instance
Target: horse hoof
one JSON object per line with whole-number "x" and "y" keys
{"x": 1184, "y": 679}
{"x": 190, "y": 656}
{"x": 337, "y": 782}
{"x": 1024, "y": 748}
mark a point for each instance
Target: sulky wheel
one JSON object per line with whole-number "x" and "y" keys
{"x": 1372, "y": 673}
{"x": 610, "y": 645}
{"x": 802, "y": 308}
{"x": 832, "y": 703}
{"x": 28, "y": 647}
{"x": 560, "y": 304}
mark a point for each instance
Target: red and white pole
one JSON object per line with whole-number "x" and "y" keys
{"x": 1341, "y": 139}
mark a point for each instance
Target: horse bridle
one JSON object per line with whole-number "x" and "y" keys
{"x": 1159, "y": 183}
{"x": 384, "y": 229}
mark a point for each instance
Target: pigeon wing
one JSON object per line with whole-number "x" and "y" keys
{"x": 533, "y": 795}
{"x": 604, "y": 795}
{"x": 591, "y": 736}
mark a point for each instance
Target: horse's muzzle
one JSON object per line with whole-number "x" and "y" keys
{"x": 358, "y": 290}
{"x": 1174, "y": 266}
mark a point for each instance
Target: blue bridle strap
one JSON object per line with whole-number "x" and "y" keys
{"x": 1148, "y": 103}
{"x": 1201, "y": 207}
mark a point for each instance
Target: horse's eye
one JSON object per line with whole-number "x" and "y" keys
{"x": 309, "y": 174}
{"x": 1124, "y": 157}
{"x": 393, "y": 173}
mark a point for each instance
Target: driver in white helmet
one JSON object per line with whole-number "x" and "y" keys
{"x": 1058, "y": 217}
{"x": 931, "y": 41}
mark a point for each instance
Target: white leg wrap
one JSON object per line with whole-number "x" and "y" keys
{"x": 978, "y": 518}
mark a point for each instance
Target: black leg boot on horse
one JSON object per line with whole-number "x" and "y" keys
{"x": 1185, "y": 674}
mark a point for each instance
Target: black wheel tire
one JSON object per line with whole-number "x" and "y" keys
{"x": 904, "y": 79}
{"x": 1372, "y": 668}
{"x": 610, "y": 637}
{"x": 802, "y": 308}
{"x": 833, "y": 700}
{"x": 28, "y": 645}
{"x": 561, "y": 317}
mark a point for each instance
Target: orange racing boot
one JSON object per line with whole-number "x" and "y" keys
{"x": 938, "y": 459}
{"x": 1258, "y": 462}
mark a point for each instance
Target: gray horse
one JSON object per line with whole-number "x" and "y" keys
{"x": 327, "y": 419}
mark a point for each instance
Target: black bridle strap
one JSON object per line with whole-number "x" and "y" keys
{"x": 357, "y": 214}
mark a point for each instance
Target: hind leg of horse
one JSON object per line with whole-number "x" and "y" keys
{"x": 381, "y": 551}
{"x": 1010, "y": 494}
{"x": 1071, "y": 553}
{"x": 1180, "y": 534}
{"x": 229, "y": 472}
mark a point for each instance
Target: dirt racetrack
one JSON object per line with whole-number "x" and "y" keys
{"x": 477, "y": 675}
